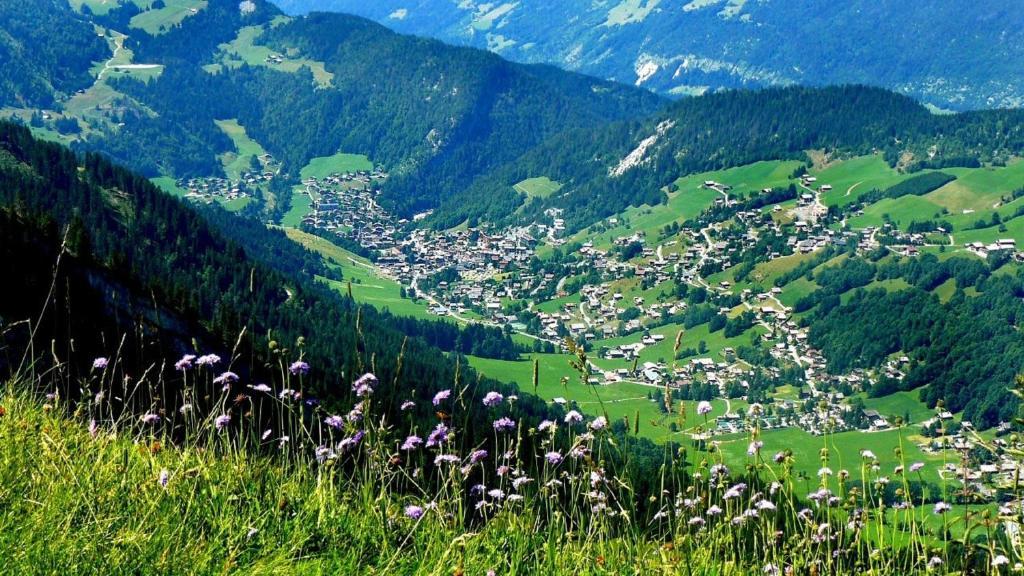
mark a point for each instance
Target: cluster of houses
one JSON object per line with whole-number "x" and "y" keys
{"x": 210, "y": 189}
{"x": 346, "y": 204}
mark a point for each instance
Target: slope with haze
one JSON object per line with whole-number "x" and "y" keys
{"x": 944, "y": 52}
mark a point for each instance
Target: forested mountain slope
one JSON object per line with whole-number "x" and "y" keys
{"x": 629, "y": 163}
{"x": 46, "y": 51}
{"x": 140, "y": 265}
{"x": 947, "y": 53}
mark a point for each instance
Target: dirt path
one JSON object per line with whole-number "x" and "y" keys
{"x": 850, "y": 189}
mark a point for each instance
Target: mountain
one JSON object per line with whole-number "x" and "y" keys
{"x": 630, "y": 163}
{"x": 436, "y": 116}
{"x": 100, "y": 261}
{"x": 457, "y": 129}
{"x": 37, "y": 69}
{"x": 943, "y": 52}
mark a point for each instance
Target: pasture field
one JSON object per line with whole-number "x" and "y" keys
{"x": 245, "y": 148}
{"x": 540, "y": 187}
{"x": 367, "y": 286}
{"x": 157, "y": 21}
{"x": 324, "y": 166}
{"x": 245, "y": 49}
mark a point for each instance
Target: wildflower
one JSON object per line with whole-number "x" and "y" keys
{"x": 266, "y": 434}
{"x": 350, "y": 442}
{"x": 560, "y": 401}
{"x": 497, "y": 494}
{"x": 573, "y": 417}
{"x": 504, "y": 424}
{"x": 221, "y": 421}
{"x": 824, "y": 471}
{"x": 150, "y": 418}
{"x": 477, "y": 456}
{"x": 226, "y": 378}
{"x": 412, "y": 443}
{"x": 367, "y": 379}
{"x": 165, "y": 476}
{"x": 916, "y": 466}
{"x": 287, "y": 394}
{"x": 407, "y": 405}
{"x": 185, "y": 363}
{"x": 299, "y": 368}
{"x": 94, "y": 428}
{"x": 765, "y": 505}
{"x": 553, "y": 458}
{"x": 942, "y": 508}
{"x": 521, "y": 481}
{"x": 503, "y": 470}
{"x": 719, "y": 470}
{"x": 336, "y": 422}
{"x": 362, "y": 389}
{"x": 208, "y": 360}
{"x": 696, "y": 522}
{"x": 283, "y": 441}
{"x": 771, "y": 570}
{"x": 441, "y": 397}
{"x": 599, "y": 423}
{"x": 754, "y": 447}
{"x": 252, "y": 532}
{"x": 414, "y": 512}
{"x": 185, "y": 409}
{"x": 934, "y": 562}
{"x": 355, "y": 415}
{"x": 867, "y": 455}
{"x": 1000, "y": 560}
{"x": 493, "y": 399}
{"x": 445, "y": 458}
{"x": 261, "y": 388}
{"x": 703, "y": 407}
{"x": 100, "y": 363}
{"x": 545, "y": 425}
{"x": 311, "y": 402}
{"x": 437, "y": 436}
{"x": 323, "y": 453}
{"x": 779, "y": 457}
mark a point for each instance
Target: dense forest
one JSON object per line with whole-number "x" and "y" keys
{"x": 734, "y": 128}
{"x": 143, "y": 265}
{"x": 962, "y": 351}
{"x": 46, "y": 51}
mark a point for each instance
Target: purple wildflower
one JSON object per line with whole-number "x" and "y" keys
{"x": 407, "y": 405}
{"x": 226, "y": 378}
{"x": 299, "y": 368}
{"x": 414, "y": 512}
{"x": 412, "y": 443}
{"x": 553, "y": 458}
{"x": 942, "y": 508}
{"x": 208, "y": 360}
{"x": 573, "y": 417}
{"x": 165, "y": 477}
{"x": 441, "y": 397}
{"x": 493, "y": 399}
{"x": 150, "y": 418}
{"x": 477, "y": 456}
{"x": 100, "y": 363}
{"x": 445, "y": 459}
{"x": 350, "y": 442}
{"x": 703, "y": 407}
{"x": 546, "y": 424}
{"x": 336, "y": 422}
{"x": 504, "y": 424}
{"x": 437, "y": 436}
{"x": 260, "y": 388}
{"x": 599, "y": 423}
{"x": 916, "y": 466}
{"x": 221, "y": 421}
{"x": 185, "y": 363}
